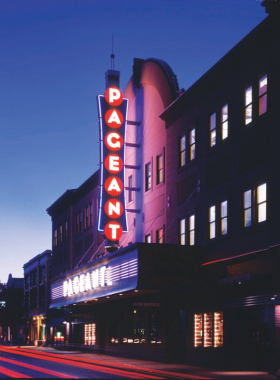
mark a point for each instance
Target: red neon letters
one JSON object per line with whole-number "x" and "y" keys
{"x": 113, "y": 186}
{"x": 113, "y": 230}
{"x": 113, "y": 96}
{"x": 114, "y": 118}
{"x": 114, "y": 141}
{"x": 113, "y": 208}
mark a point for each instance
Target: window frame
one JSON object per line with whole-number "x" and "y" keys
{"x": 248, "y": 105}
{"x": 148, "y": 178}
{"x": 159, "y": 236}
{"x": 191, "y": 230}
{"x": 262, "y": 95}
{"x": 147, "y": 238}
{"x": 182, "y": 234}
{"x": 223, "y": 122}
{"x": 182, "y": 151}
{"x": 213, "y": 131}
{"x": 245, "y": 209}
{"x": 130, "y": 184}
{"x": 224, "y": 218}
{"x": 160, "y": 168}
{"x": 259, "y": 204}
{"x": 192, "y": 146}
{"x": 55, "y": 233}
{"x": 212, "y": 222}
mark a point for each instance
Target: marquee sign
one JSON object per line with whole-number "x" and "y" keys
{"x": 112, "y": 110}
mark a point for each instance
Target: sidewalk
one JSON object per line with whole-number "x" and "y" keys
{"x": 178, "y": 368}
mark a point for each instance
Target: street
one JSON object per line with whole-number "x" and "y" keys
{"x": 49, "y": 363}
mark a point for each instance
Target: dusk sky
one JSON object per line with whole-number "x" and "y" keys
{"x": 53, "y": 59}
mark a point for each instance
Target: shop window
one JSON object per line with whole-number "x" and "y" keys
{"x": 208, "y": 329}
{"x": 247, "y": 208}
{"x": 213, "y": 130}
{"x": 159, "y": 169}
{"x": 139, "y": 326}
{"x": 212, "y": 222}
{"x": 225, "y": 122}
{"x": 159, "y": 236}
{"x": 224, "y": 218}
{"x": 182, "y": 231}
{"x": 130, "y": 191}
{"x": 263, "y": 95}
{"x": 182, "y": 153}
{"x": 55, "y": 238}
{"x": 148, "y": 238}
{"x": 90, "y": 334}
{"x": 261, "y": 202}
{"x": 192, "y": 229}
{"x": 192, "y": 145}
{"x": 60, "y": 234}
{"x": 155, "y": 329}
{"x": 65, "y": 230}
{"x": 248, "y": 105}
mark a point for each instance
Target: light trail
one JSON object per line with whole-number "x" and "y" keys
{"x": 10, "y": 373}
{"x": 36, "y": 368}
{"x": 93, "y": 367}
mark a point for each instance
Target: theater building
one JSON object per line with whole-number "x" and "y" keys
{"x": 195, "y": 277}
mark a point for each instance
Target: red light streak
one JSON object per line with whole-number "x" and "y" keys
{"x": 10, "y": 373}
{"x": 36, "y": 368}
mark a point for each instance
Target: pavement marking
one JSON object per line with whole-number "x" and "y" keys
{"x": 38, "y": 369}
{"x": 10, "y": 373}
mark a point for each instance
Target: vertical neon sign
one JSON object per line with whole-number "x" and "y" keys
{"x": 112, "y": 110}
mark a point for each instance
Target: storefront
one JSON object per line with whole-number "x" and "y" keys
{"x": 126, "y": 301}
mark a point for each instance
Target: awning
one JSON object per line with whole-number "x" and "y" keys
{"x": 55, "y": 322}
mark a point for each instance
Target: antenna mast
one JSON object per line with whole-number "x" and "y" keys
{"x": 112, "y": 55}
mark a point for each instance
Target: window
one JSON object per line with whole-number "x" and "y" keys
{"x": 81, "y": 221}
{"x": 60, "y": 234}
{"x": 224, "y": 218}
{"x": 159, "y": 169}
{"x": 208, "y": 329}
{"x": 247, "y": 208}
{"x": 261, "y": 202}
{"x": 213, "y": 129}
{"x": 55, "y": 238}
{"x": 42, "y": 274}
{"x": 148, "y": 176}
{"x": 248, "y": 105}
{"x": 182, "y": 232}
{"x": 159, "y": 236}
{"x": 263, "y": 95}
{"x": 86, "y": 216}
{"x": 225, "y": 122}
{"x": 192, "y": 145}
{"x": 212, "y": 222}
{"x": 148, "y": 238}
{"x": 182, "y": 147}
{"x": 129, "y": 191}
{"x": 192, "y": 229}
{"x": 65, "y": 230}
{"x": 90, "y": 215}
{"x": 77, "y": 223}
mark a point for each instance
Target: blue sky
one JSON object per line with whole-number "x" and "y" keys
{"x": 53, "y": 59}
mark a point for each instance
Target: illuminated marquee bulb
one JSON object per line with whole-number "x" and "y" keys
{"x": 113, "y": 208}
{"x": 114, "y": 118}
{"x": 114, "y": 96}
{"x": 113, "y": 231}
{"x": 114, "y": 141}
{"x": 113, "y": 164}
{"x": 113, "y": 186}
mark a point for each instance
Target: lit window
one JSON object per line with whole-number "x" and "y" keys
{"x": 148, "y": 238}
{"x": 263, "y": 95}
{"x": 247, "y": 208}
{"x": 213, "y": 129}
{"x": 225, "y": 122}
{"x": 224, "y": 218}
{"x": 248, "y": 105}
{"x": 90, "y": 334}
{"x": 182, "y": 151}
{"x": 65, "y": 230}
{"x": 182, "y": 231}
{"x": 159, "y": 235}
{"x": 207, "y": 333}
{"x": 212, "y": 222}
{"x": 192, "y": 144}
{"x": 60, "y": 234}
{"x": 55, "y": 238}
{"x": 129, "y": 191}
{"x": 159, "y": 169}
{"x": 192, "y": 229}
{"x": 261, "y": 202}
{"x": 148, "y": 176}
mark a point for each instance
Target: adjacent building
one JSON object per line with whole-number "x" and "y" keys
{"x": 37, "y": 273}
{"x": 195, "y": 277}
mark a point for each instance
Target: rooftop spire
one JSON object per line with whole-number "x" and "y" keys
{"x": 112, "y": 55}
